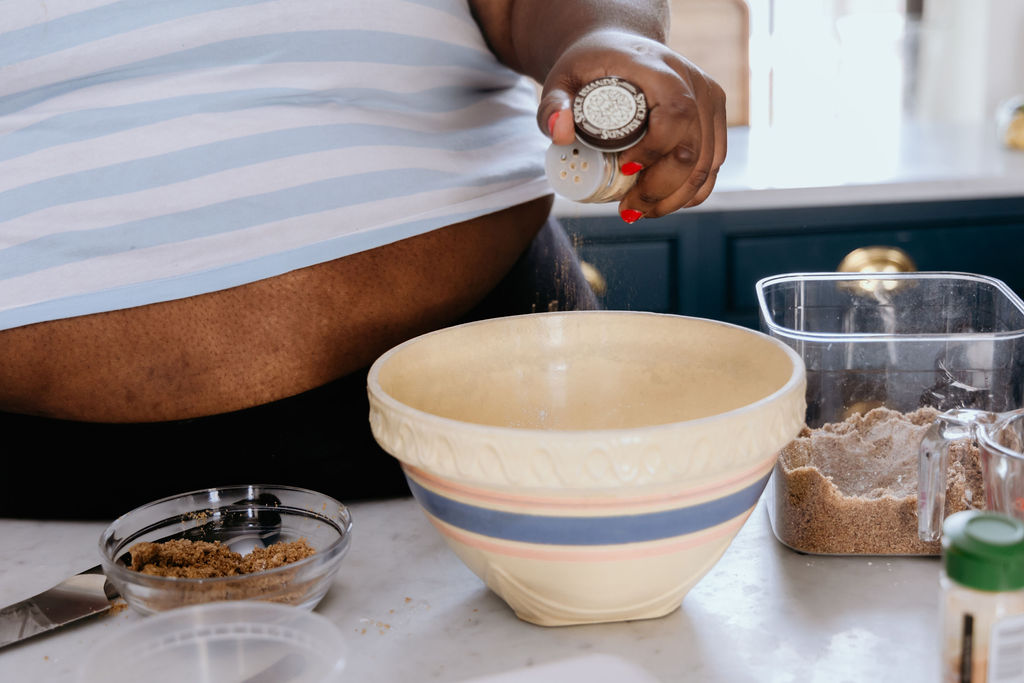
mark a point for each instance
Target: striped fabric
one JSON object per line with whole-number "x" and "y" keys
{"x": 157, "y": 149}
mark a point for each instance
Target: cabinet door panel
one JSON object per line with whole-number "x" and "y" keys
{"x": 983, "y": 249}
{"x": 706, "y": 263}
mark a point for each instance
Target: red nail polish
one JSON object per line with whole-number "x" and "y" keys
{"x": 631, "y": 215}
{"x": 551, "y": 123}
{"x": 631, "y": 167}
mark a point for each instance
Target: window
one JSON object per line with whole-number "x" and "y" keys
{"x": 830, "y": 63}
{"x": 859, "y": 64}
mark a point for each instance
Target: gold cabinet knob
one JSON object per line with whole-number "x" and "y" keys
{"x": 594, "y": 278}
{"x": 877, "y": 260}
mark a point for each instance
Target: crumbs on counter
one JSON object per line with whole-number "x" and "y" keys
{"x": 117, "y": 607}
{"x": 382, "y": 626}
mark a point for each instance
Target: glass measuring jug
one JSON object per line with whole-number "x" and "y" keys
{"x": 1000, "y": 441}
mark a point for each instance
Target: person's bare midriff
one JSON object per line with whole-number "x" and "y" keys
{"x": 262, "y": 341}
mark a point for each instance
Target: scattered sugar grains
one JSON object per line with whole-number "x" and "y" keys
{"x": 851, "y": 487}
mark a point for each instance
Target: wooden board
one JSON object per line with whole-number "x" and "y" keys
{"x": 715, "y": 35}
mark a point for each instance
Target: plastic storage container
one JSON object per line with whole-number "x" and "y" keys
{"x": 885, "y": 352}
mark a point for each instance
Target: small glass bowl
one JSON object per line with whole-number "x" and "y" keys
{"x": 241, "y": 517}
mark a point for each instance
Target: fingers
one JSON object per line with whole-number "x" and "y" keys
{"x": 554, "y": 116}
{"x": 669, "y": 155}
{"x": 682, "y": 152}
{"x": 685, "y": 145}
{"x": 719, "y": 134}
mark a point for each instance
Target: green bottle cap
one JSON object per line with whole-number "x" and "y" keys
{"x": 984, "y": 550}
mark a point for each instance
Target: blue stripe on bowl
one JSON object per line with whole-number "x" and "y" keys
{"x": 601, "y": 530}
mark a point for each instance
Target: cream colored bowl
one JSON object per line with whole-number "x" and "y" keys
{"x": 588, "y": 466}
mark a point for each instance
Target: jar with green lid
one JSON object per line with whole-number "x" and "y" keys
{"x": 983, "y": 598}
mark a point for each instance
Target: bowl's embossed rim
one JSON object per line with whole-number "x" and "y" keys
{"x": 494, "y": 456}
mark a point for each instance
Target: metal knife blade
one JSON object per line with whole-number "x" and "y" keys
{"x": 72, "y": 599}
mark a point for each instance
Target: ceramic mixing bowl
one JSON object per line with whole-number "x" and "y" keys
{"x": 588, "y": 466}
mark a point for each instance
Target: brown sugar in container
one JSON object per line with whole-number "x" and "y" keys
{"x": 850, "y": 488}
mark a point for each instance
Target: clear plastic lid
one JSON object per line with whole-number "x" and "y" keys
{"x": 258, "y": 642}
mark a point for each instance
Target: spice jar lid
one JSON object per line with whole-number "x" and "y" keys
{"x": 610, "y": 114}
{"x": 984, "y": 550}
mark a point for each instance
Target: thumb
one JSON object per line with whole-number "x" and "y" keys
{"x": 554, "y": 115}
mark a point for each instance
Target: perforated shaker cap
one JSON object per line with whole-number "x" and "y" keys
{"x": 576, "y": 172}
{"x": 583, "y": 174}
{"x": 610, "y": 114}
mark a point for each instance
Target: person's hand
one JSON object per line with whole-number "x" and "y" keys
{"x": 679, "y": 156}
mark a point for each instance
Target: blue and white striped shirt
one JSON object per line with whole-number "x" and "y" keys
{"x": 153, "y": 149}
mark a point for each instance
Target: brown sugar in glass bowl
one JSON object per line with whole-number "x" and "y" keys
{"x": 187, "y": 559}
{"x": 236, "y": 517}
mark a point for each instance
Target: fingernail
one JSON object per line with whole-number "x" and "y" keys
{"x": 631, "y": 215}
{"x": 631, "y": 167}
{"x": 551, "y": 123}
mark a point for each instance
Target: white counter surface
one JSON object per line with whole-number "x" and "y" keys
{"x": 412, "y": 612}
{"x": 828, "y": 166}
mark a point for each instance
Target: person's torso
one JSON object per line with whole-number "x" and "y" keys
{"x": 151, "y": 151}
{"x": 210, "y": 204}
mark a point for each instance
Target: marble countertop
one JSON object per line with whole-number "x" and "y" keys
{"x": 827, "y": 166}
{"x": 411, "y": 611}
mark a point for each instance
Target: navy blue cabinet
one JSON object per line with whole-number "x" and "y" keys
{"x": 706, "y": 263}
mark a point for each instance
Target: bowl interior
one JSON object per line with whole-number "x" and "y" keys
{"x": 584, "y": 370}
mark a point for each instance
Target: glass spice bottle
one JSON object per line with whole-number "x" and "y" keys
{"x": 609, "y": 116}
{"x": 982, "y": 606}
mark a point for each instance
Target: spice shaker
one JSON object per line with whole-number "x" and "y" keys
{"x": 610, "y": 116}
{"x": 983, "y": 598}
